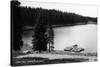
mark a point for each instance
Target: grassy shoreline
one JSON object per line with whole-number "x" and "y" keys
{"x": 41, "y": 60}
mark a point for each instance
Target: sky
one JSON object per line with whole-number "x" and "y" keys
{"x": 85, "y": 10}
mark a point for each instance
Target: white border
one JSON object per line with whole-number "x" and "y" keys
{"x": 5, "y": 33}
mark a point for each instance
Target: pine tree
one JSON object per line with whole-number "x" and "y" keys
{"x": 50, "y": 38}
{"x": 39, "y": 38}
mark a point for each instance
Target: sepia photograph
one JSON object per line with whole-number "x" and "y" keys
{"x": 53, "y": 33}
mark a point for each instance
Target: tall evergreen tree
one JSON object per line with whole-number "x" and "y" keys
{"x": 40, "y": 38}
{"x": 50, "y": 37}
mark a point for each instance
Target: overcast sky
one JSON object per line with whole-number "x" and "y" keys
{"x": 85, "y": 10}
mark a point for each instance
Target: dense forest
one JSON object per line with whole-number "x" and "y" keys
{"x": 26, "y": 16}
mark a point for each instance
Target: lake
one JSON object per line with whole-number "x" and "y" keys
{"x": 85, "y": 36}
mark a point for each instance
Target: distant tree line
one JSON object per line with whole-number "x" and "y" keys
{"x": 54, "y": 17}
{"x": 27, "y": 16}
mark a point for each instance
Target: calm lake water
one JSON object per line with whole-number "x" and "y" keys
{"x": 83, "y": 35}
